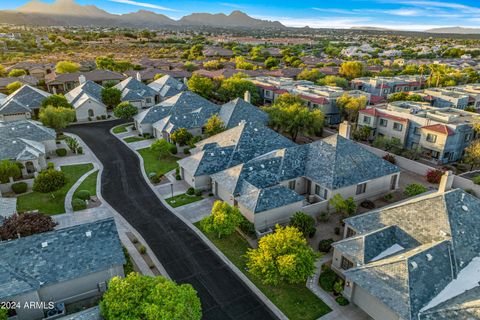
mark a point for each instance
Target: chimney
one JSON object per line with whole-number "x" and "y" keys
{"x": 82, "y": 79}
{"x": 446, "y": 182}
{"x": 139, "y": 77}
{"x": 344, "y": 129}
{"x": 247, "y": 96}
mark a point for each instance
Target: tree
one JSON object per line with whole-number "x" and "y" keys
{"x": 161, "y": 147}
{"x": 2, "y": 70}
{"x": 350, "y": 105}
{"x": 57, "y": 101}
{"x": 49, "y": 180}
{"x": 398, "y": 96}
{"x": 472, "y": 154}
{"x": 72, "y": 144}
{"x": 17, "y": 73}
{"x": 333, "y": 81}
{"x": 310, "y": 75}
{"x": 303, "y": 222}
{"x": 345, "y": 206}
{"x": 14, "y": 86}
{"x": 223, "y": 219}
{"x": 56, "y": 118}
{"x": 242, "y": 64}
{"x": 150, "y": 298}
{"x": 125, "y": 110}
{"x": 202, "y": 86}
{"x": 271, "y": 62}
{"x": 158, "y": 76}
{"x": 25, "y": 224}
{"x": 67, "y": 67}
{"x": 290, "y": 115}
{"x": 235, "y": 87}
{"x": 3, "y": 313}
{"x": 351, "y": 69}
{"x": 111, "y": 97}
{"x": 213, "y": 65}
{"x": 214, "y": 126}
{"x": 181, "y": 136}
{"x": 283, "y": 256}
{"x": 9, "y": 169}
{"x": 109, "y": 63}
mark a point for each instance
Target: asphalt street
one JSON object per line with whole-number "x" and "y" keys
{"x": 186, "y": 258}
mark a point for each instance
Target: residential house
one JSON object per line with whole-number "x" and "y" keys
{"x": 148, "y": 75}
{"x": 86, "y": 99}
{"x": 382, "y": 87}
{"x": 217, "y": 52}
{"x": 137, "y": 93}
{"x": 26, "y": 142}
{"x": 233, "y": 147}
{"x": 64, "y": 82}
{"x": 24, "y": 103}
{"x": 63, "y": 266}
{"x": 30, "y": 80}
{"x": 268, "y": 189}
{"x": 167, "y": 86}
{"x": 34, "y": 69}
{"x": 415, "y": 260}
{"x": 439, "y": 134}
{"x": 445, "y": 98}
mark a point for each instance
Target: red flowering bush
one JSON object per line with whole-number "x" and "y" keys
{"x": 434, "y": 175}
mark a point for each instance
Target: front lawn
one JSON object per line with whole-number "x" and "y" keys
{"x": 54, "y": 202}
{"x": 182, "y": 199}
{"x": 90, "y": 184}
{"x": 134, "y": 139}
{"x": 121, "y": 128}
{"x": 153, "y": 164}
{"x": 295, "y": 301}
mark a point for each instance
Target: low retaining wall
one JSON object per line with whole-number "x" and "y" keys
{"x": 7, "y": 187}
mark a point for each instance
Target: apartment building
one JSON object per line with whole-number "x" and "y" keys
{"x": 315, "y": 97}
{"x": 384, "y": 86}
{"x": 440, "y": 134}
{"x": 445, "y": 97}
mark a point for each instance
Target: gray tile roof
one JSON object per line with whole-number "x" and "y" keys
{"x": 134, "y": 90}
{"x": 261, "y": 200}
{"x": 238, "y": 110}
{"x": 233, "y": 147}
{"x": 89, "y": 89}
{"x": 26, "y": 265}
{"x": 463, "y": 306}
{"x": 23, "y": 99}
{"x": 167, "y": 86}
{"x": 441, "y": 237}
{"x": 96, "y": 75}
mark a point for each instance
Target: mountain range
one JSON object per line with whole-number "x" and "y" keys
{"x": 70, "y": 13}
{"x": 455, "y": 30}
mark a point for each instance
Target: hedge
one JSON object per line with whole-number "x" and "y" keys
{"x": 78, "y": 204}
{"x": 19, "y": 187}
{"x": 61, "y": 152}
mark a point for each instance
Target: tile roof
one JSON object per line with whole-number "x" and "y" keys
{"x": 167, "y": 86}
{"x": 134, "y": 90}
{"x": 96, "y": 75}
{"x": 87, "y": 90}
{"x": 26, "y": 264}
{"x": 440, "y": 128}
{"x": 261, "y": 200}
{"x": 25, "y": 98}
{"x": 27, "y": 79}
{"x": 376, "y": 113}
{"x": 234, "y": 112}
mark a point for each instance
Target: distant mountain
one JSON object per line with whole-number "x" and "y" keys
{"x": 455, "y": 30}
{"x": 70, "y": 13}
{"x": 370, "y": 28}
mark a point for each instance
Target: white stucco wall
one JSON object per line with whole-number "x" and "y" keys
{"x": 98, "y": 109}
{"x": 371, "y": 305}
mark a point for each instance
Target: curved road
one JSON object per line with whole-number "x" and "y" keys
{"x": 184, "y": 255}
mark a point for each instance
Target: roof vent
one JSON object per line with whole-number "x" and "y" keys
{"x": 429, "y": 257}
{"x": 44, "y": 244}
{"x": 212, "y": 154}
{"x": 14, "y": 141}
{"x": 250, "y": 168}
{"x": 255, "y": 129}
{"x": 263, "y": 166}
{"x": 465, "y": 208}
{"x": 88, "y": 234}
{"x": 414, "y": 265}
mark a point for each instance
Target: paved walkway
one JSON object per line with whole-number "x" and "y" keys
{"x": 350, "y": 312}
{"x": 196, "y": 211}
{"x": 69, "y": 196}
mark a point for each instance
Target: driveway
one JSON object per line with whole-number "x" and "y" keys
{"x": 186, "y": 258}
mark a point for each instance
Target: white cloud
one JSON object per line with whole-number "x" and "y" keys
{"x": 231, "y": 5}
{"x": 144, "y": 4}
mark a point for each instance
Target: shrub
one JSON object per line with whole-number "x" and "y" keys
{"x": 198, "y": 192}
{"x": 80, "y": 150}
{"x": 247, "y": 227}
{"x": 390, "y": 158}
{"x": 186, "y": 151}
{"x": 191, "y": 191}
{"x": 338, "y": 286}
{"x": 323, "y": 217}
{"x": 342, "y": 301}
{"x": 51, "y": 165}
{"x": 49, "y": 180}
{"x": 83, "y": 194}
{"x": 19, "y": 187}
{"x": 304, "y": 223}
{"x": 178, "y": 177}
{"x": 210, "y": 194}
{"x": 177, "y": 170}
{"x": 337, "y": 230}
{"x": 62, "y": 152}
{"x": 173, "y": 149}
{"x": 434, "y": 176}
{"x": 135, "y": 240}
{"x": 414, "y": 189}
{"x": 142, "y": 249}
{"x": 25, "y": 224}
{"x": 476, "y": 179}
{"x": 156, "y": 178}
{"x": 367, "y": 204}
{"x": 325, "y": 245}
{"x": 78, "y": 204}
{"x": 388, "y": 197}
{"x": 327, "y": 279}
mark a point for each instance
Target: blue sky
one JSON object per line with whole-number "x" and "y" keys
{"x": 395, "y": 14}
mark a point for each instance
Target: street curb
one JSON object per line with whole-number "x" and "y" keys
{"x": 273, "y": 308}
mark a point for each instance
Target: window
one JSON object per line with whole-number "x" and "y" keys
{"x": 397, "y": 126}
{"x": 366, "y": 119}
{"x": 346, "y": 264}
{"x": 291, "y": 184}
{"x": 416, "y": 131}
{"x": 383, "y": 122}
{"x": 361, "y": 188}
{"x": 431, "y": 138}
{"x": 90, "y": 113}
{"x": 148, "y": 100}
{"x": 317, "y": 189}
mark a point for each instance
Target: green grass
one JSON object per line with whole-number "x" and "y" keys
{"x": 121, "y": 129}
{"x": 133, "y": 139}
{"x": 182, "y": 199}
{"x": 153, "y": 164}
{"x": 90, "y": 184}
{"x": 54, "y": 202}
{"x": 295, "y": 301}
